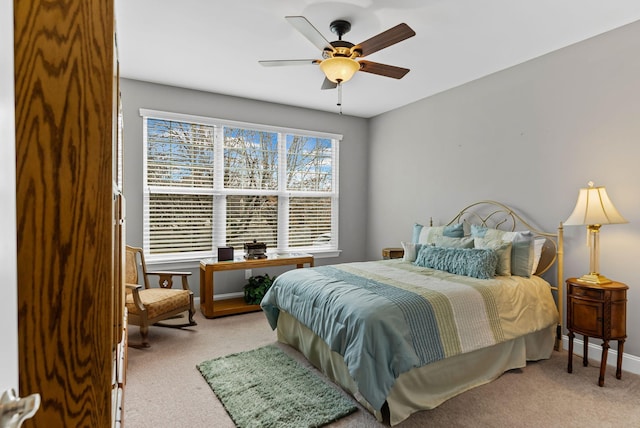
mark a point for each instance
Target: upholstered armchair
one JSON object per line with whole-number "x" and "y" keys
{"x": 147, "y": 305}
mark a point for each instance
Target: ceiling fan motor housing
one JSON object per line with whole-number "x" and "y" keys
{"x": 340, "y": 27}
{"x": 341, "y": 48}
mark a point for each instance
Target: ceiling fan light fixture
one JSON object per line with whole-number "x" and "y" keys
{"x": 339, "y": 69}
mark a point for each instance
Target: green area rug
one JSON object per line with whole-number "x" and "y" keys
{"x": 267, "y": 388}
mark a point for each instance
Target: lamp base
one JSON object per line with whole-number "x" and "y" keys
{"x": 594, "y": 278}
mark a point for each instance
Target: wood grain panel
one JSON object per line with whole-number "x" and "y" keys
{"x": 64, "y": 78}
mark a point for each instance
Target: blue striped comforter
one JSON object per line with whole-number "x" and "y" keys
{"x": 387, "y": 317}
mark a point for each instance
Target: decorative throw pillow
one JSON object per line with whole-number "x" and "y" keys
{"x": 502, "y": 248}
{"x": 428, "y": 234}
{"x": 445, "y": 241}
{"x": 521, "y": 247}
{"x": 410, "y": 251}
{"x": 538, "y": 243}
{"x": 474, "y": 262}
{"x": 415, "y": 235}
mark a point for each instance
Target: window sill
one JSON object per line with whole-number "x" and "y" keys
{"x": 324, "y": 254}
{"x": 191, "y": 261}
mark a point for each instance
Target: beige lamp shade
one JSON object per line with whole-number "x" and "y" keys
{"x": 339, "y": 69}
{"x": 594, "y": 207}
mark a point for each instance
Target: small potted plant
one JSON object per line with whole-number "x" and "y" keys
{"x": 255, "y": 290}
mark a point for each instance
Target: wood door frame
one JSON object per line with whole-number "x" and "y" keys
{"x": 8, "y": 251}
{"x": 64, "y": 107}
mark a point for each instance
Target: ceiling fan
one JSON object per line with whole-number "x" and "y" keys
{"x": 339, "y": 62}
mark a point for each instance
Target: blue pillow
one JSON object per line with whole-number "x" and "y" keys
{"x": 474, "y": 262}
{"x": 417, "y": 228}
{"x": 478, "y": 231}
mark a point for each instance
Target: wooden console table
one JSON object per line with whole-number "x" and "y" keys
{"x": 208, "y": 267}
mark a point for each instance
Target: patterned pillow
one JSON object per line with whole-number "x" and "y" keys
{"x": 428, "y": 234}
{"x": 474, "y": 262}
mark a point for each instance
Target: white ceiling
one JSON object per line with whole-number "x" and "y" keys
{"x": 215, "y": 45}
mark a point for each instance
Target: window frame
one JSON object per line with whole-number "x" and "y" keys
{"x": 219, "y": 193}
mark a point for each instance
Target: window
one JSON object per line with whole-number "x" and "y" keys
{"x": 211, "y": 183}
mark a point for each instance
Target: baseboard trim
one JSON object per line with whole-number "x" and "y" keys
{"x": 630, "y": 363}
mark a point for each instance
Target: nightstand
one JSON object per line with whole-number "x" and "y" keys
{"x": 392, "y": 253}
{"x": 598, "y": 311}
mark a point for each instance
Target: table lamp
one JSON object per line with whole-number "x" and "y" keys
{"x": 593, "y": 209}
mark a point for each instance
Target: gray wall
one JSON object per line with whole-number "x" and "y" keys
{"x": 352, "y": 161}
{"x": 530, "y": 137}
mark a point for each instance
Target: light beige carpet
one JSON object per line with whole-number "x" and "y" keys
{"x": 164, "y": 388}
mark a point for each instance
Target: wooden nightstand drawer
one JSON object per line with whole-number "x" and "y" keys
{"x": 586, "y": 292}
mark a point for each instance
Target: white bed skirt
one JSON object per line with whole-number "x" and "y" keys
{"x": 428, "y": 386}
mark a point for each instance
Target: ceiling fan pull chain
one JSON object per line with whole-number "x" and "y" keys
{"x": 340, "y": 97}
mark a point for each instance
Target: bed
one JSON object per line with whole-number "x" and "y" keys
{"x": 466, "y": 303}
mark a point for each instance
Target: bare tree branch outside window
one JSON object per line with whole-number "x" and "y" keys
{"x": 183, "y": 213}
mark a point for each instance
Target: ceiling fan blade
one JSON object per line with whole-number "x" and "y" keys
{"x": 310, "y": 32}
{"x": 328, "y": 84}
{"x": 281, "y": 62}
{"x": 385, "y": 39}
{"x": 382, "y": 69}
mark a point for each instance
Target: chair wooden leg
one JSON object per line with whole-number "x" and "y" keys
{"x": 192, "y": 312}
{"x": 144, "y": 333}
{"x": 145, "y": 342}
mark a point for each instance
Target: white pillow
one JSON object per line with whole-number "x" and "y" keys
{"x": 538, "y": 243}
{"x": 410, "y": 251}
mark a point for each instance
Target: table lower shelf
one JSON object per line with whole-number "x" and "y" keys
{"x": 233, "y": 306}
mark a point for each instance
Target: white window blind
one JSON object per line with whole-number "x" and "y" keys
{"x": 180, "y": 223}
{"x": 309, "y": 221}
{"x": 211, "y": 183}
